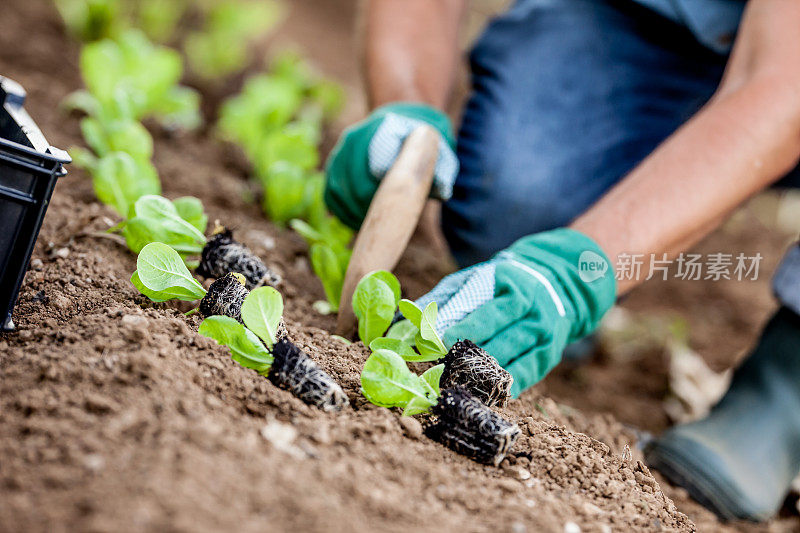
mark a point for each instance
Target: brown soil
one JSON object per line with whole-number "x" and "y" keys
{"x": 115, "y": 415}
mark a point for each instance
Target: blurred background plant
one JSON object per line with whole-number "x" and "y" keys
{"x": 277, "y": 119}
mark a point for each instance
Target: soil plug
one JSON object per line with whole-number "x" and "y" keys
{"x": 161, "y": 275}
{"x": 467, "y": 426}
{"x": 225, "y": 297}
{"x": 261, "y": 344}
{"x": 223, "y": 254}
{"x": 375, "y": 300}
{"x": 465, "y": 364}
{"x": 461, "y": 421}
{"x": 469, "y": 366}
{"x": 296, "y": 372}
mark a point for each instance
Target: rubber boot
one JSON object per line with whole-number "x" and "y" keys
{"x": 740, "y": 460}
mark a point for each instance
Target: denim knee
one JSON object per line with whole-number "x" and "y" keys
{"x": 568, "y": 96}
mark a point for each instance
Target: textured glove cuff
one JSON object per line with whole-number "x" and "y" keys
{"x": 578, "y": 272}
{"x": 398, "y": 121}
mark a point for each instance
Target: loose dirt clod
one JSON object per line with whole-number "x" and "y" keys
{"x": 469, "y": 366}
{"x": 467, "y": 426}
{"x": 296, "y": 372}
{"x": 225, "y": 297}
{"x": 223, "y": 254}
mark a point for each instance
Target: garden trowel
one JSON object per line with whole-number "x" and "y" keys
{"x": 392, "y": 217}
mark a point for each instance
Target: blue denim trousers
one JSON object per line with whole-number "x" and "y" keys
{"x": 568, "y": 97}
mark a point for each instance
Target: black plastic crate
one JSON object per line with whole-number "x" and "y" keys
{"x": 29, "y": 168}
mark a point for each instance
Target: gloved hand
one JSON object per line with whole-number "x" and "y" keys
{"x": 528, "y": 302}
{"x": 367, "y": 150}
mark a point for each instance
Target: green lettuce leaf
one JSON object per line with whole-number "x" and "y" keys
{"x": 374, "y": 303}
{"x": 161, "y": 271}
{"x": 386, "y": 380}
{"x": 245, "y": 347}
{"x": 262, "y": 311}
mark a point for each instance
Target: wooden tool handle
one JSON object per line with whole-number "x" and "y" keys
{"x": 392, "y": 217}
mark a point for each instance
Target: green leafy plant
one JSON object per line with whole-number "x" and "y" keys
{"x": 265, "y": 105}
{"x": 282, "y": 362}
{"x": 250, "y": 345}
{"x": 277, "y": 121}
{"x": 131, "y": 78}
{"x": 462, "y": 422}
{"x": 403, "y": 330}
{"x": 90, "y": 20}
{"x": 118, "y": 179}
{"x": 246, "y": 348}
{"x": 466, "y": 365}
{"x": 387, "y": 381}
{"x": 161, "y": 275}
{"x": 426, "y": 340}
{"x": 158, "y": 18}
{"x": 127, "y": 78}
{"x": 221, "y": 48}
{"x": 180, "y": 224}
{"x": 117, "y": 135}
{"x": 374, "y": 303}
{"x": 330, "y": 266}
{"x": 329, "y": 257}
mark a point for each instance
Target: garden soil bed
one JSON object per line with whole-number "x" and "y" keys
{"x": 115, "y": 415}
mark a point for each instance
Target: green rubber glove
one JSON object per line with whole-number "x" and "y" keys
{"x": 528, "y": 302}
{"x": 367, "y": 150}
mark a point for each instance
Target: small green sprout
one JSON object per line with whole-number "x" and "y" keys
{"x": 374, "y": 304}
{"x": 261, "y": 344}
{"x": 180, "y": 224}
{"x": 161, "y": 275}
{"x": 386, "y": 381}
{"x": 462, "y": 422}
{"x": 426, "y": 340}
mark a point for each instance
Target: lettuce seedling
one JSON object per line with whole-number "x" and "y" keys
{"x": 403, "y": 330}
{"x": 285, "y": 195}
{"x": 90, "y": 20}
{"x": 277, "y": 120}
{"x": 265, "y": 105}
{"x": 118, "y": 135}
{"x": 161, "y": 275}
{"x": 221, "y": 48}
{"x": 118, "y": 179}
{"x": 294, "y": 145}
{"x": 465, "y": 363}
{"x": 330, "y": 265}
{"x": 374, "y": 304}
{"x": 181, "y": 224}
{"x": 329, "y": 256}
{"x": 130, "y": 73}
{"x": 325, "y": 99}
{"x": 462, "y": 422}
{"x": 386, "y": 381}
{"x": 159, "y": 18}
{"x": 281, "y": 361}
{"x": 427, "y": 341}
{"x": 246, "y": 348}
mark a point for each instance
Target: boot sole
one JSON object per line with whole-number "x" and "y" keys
{"x": 686, "y": 463}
